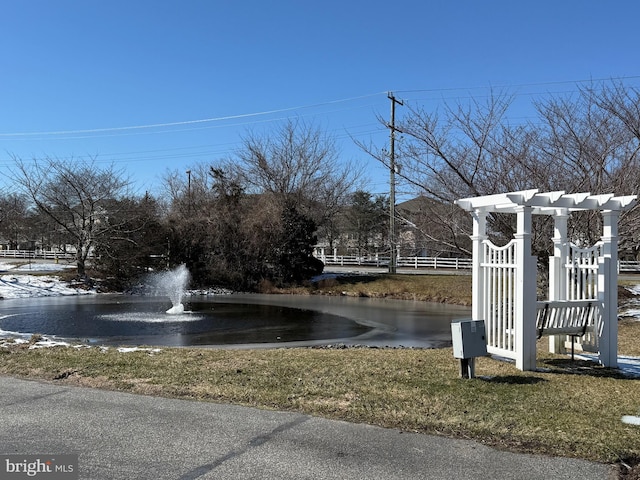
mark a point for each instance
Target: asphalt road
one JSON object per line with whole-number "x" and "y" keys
{"x": 124, "y": 436}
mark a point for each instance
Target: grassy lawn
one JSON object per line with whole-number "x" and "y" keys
{"x": 567, "y": 408}
{"x": 453, "y": 289}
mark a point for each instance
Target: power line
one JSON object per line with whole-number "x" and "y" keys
{"x": 135, "y": 129}
{"x": 360, "y": 130}
{"x": 533, "y": 84}
{"x": 186, "y": 122}
{"x": 300, "y": 107}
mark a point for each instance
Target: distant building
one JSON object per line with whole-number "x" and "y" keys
{"x": 425, "y": 228}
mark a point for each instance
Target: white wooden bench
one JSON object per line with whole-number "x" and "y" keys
{"x": 566, "y": 317}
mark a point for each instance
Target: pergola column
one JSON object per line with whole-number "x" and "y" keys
{"x": 608, "y": 290}
{"x": 557, "y": 277}
{"x": 525, "y": 292}
{"x": 477, "y": 285}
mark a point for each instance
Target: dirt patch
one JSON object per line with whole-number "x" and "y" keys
{"x": 629, "y": 468}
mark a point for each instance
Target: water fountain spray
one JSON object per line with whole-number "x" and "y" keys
{"x": 173, "y": 284}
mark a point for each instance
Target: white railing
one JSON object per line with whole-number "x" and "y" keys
{"x": 401, "y": 262}
{"x": 629, "y": 266}
{"x": 31, "y": 254}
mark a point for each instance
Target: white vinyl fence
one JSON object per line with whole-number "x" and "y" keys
{"x": 624, "y": 266}
{"x": 401, "y": 262}
{"x": 32, "y": 254}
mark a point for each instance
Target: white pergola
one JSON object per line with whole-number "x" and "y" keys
{"x": 504, "y": 278}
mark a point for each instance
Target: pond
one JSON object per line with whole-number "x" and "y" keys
{"x": 237, "y": 320}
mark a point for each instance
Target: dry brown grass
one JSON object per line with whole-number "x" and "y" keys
{"x": 629, "y": 337}
{"x": 453, "y": 289}
{"x": 567, "y": 408}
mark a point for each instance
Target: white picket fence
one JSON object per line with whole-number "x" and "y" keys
{"x": 624, "y": 266}
{"x": 33, "y": 254}
{"x": 401, "y": 262}
{"x": 499, "y": 276}
{"x": 629, "y": 266}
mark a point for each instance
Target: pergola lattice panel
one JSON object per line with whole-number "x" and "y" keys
{"x": 518, "y": 289}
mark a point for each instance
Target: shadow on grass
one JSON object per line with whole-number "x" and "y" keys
{"x": 566, "y": 366}
{"x": 345, "y": 280}
{"x": 512, "y": 379}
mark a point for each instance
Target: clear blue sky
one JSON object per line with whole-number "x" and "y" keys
{"x": 88, "y": 69}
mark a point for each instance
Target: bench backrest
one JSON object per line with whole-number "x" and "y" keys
{"x": 570, "y": 317}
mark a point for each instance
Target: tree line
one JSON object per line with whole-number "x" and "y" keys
{"x": 244, "y": 222}
{"x": 252, "y": 219}
{"x": 584, "y": 141}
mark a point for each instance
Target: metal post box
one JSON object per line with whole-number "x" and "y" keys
{"x": 469, "y": 339}
{"x": 469, "y": 342}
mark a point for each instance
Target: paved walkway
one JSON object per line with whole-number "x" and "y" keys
{"x": 119, "y": 435}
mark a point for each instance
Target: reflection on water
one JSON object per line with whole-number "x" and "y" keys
{"x": 234, "y": 320}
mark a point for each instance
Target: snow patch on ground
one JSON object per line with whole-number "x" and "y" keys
{"x": 635, "y": 289}
{"x": 631, "y": 308}
{"x": 46, "y": 342}
{"x": 630, "y": 366}
{"x": 35, "y": 267}
{"x": 139, "y": 349}
{"x": 43, "y": 267}
{"x": 631, "y": 420}
{"x": 23, "y": 285}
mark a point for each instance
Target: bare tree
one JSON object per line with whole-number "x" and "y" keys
{"x": 590, "y": 140}
{"x": 74, "y": 195}
{"x": 623, "y": 104}
{"x": 463, "y": 151}
{"x": 134, "y": 242}
{"x": 452, "y": 155}
{"x": 297, "y": 164}
{"x": 14, "y": 212}
{"x": 190, "y": 192}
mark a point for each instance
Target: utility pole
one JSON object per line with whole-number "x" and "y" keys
{"x": 392, "y": 183}
{"x": 189, "y": 191}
